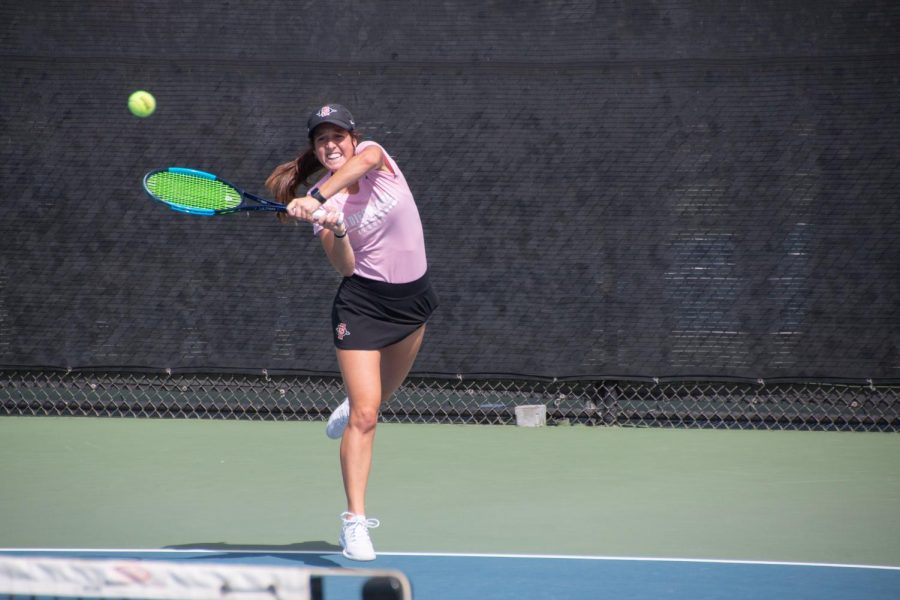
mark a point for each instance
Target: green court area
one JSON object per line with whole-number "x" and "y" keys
{"x": 625, "y": 492}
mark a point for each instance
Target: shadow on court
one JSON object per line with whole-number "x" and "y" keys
{"x": 307, "y": 552}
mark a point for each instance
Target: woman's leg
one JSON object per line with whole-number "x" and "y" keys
{"x": 397, "y": 360}
{"x": 361, "y": 370}
{"x": 371, "y": 377}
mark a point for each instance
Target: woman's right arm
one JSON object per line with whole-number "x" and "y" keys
{"x": 338, "y": 249}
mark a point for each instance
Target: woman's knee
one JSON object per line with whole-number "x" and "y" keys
{"x": 363, "y": 418}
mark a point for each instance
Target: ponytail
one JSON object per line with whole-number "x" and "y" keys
{"x": 286, "y": 177}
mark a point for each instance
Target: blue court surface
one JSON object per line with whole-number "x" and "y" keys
{"x": 456, "y": 576}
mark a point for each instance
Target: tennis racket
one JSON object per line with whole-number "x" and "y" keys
{"x": 200, "y": 193}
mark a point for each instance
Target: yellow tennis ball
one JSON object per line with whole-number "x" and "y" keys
{"x": 141, "y": 103}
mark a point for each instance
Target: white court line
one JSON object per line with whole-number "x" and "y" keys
{"x": 456, "y": 555}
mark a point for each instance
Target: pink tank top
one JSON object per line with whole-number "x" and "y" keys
{"x": 383, "y": 225}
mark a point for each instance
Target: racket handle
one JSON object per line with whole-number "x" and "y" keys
{"x": 317, "y": 215}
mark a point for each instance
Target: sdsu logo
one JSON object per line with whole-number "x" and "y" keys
{"x": 341, "y": 331}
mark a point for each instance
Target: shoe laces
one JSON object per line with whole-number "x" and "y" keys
{"x": 357, "y": 527}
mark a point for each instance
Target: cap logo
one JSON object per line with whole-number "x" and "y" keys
{"x": 325, "y": 111}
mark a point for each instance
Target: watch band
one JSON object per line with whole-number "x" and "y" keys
{"x": 318, "y": 196}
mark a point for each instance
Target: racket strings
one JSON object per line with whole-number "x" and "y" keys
{"x": 193, "y": 192}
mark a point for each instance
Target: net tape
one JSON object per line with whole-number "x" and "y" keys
{"x": 708, "y": 404}
{"x": 40, "y": 577}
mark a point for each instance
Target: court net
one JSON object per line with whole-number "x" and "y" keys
{"x": 41, "y": 578}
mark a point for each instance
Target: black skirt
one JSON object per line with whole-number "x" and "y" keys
{"x": 369, "y": 314}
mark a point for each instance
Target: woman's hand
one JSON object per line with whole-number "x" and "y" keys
{"x": 303, "y": 208}
{"x": 334, "y": 222}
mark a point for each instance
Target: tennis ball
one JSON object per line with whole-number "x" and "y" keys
{"x": 141, "y": 103}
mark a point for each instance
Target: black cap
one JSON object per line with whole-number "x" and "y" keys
{"x": 330, "y": 113}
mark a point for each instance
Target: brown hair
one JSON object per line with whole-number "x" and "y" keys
{"x": 286, "y": 177}
{"x": 283, "y": 181}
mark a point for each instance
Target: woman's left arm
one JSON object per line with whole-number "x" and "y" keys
{"x": 370, "y": 159}
{"x": 353, "y": 170}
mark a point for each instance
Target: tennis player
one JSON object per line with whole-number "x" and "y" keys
{"x": 385, "y": 298}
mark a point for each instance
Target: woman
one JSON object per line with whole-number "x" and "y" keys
{"x": 372, "y": 236}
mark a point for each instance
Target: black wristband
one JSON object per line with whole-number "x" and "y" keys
{"x": 340, "y": 236}
{"x": 317, "y": 195}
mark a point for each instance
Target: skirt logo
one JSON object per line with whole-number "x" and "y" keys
{"x": 342, "y": 331}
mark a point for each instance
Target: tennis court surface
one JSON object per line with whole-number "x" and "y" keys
{"x": 473, "y": 511}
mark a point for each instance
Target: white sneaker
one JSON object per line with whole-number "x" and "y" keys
{"x": 354, "y": 536}
{"x": 338, "y": 420}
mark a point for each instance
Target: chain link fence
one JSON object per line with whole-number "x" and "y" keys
{"x": 697, "y": 404}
